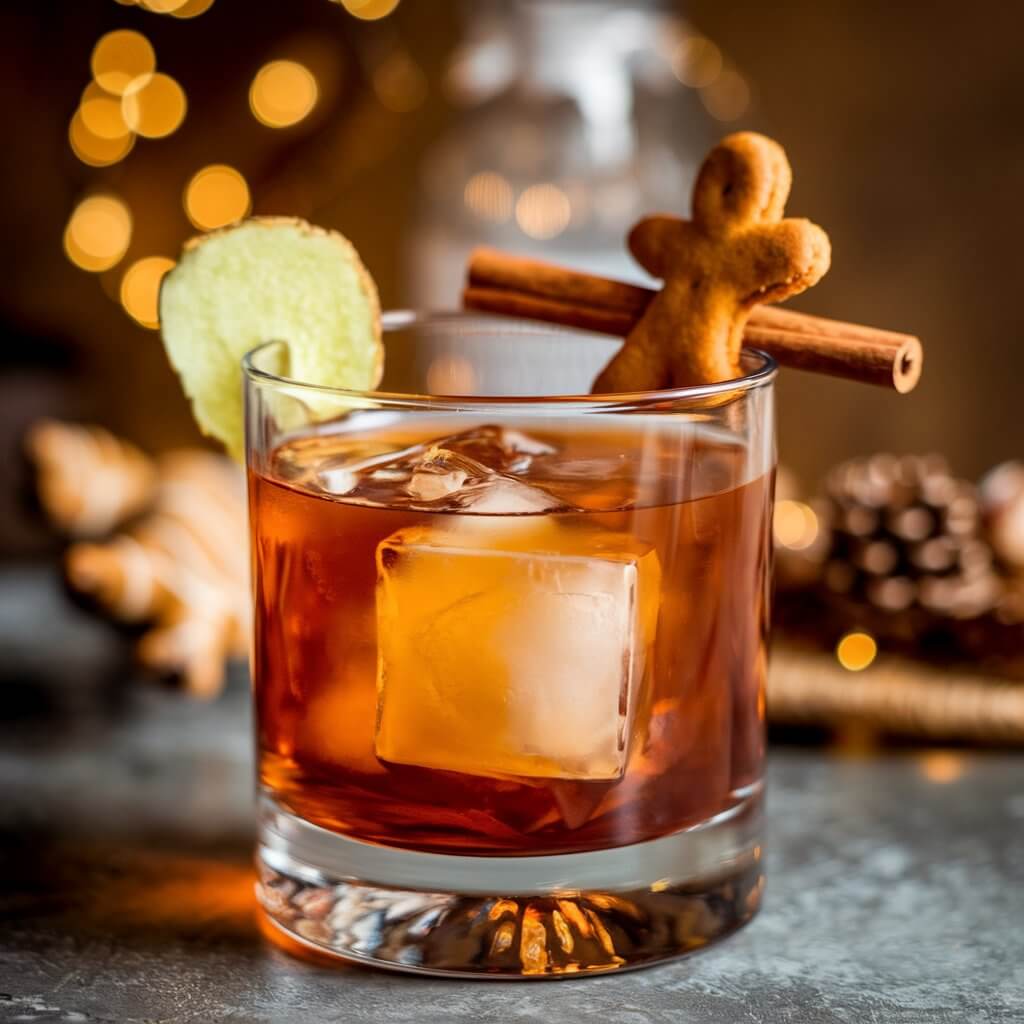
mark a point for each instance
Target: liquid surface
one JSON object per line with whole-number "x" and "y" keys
{"x": 509, "y": 641}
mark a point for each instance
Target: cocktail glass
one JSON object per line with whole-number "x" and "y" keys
{"x": 509, "y": 654}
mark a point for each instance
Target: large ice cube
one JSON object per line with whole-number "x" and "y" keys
{"x": 512, "y": 652}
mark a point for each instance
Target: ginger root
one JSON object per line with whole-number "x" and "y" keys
{"x": 179, "y": 563}
{"x": 88, "y": 480}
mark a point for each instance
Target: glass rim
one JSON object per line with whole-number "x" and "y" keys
{"x": 400, "y": 319}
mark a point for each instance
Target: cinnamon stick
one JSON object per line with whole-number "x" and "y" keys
{"x": 498, "y": 282}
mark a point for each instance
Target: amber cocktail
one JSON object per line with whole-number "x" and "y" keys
{"x": 509, "y": 655}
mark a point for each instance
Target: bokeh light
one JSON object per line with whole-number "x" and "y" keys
{"x": 369, "y": 10}
{"x": 216, "y": 195}
{"x": 162, "y": 6}
{"x": 121, "y": 57}
{"x": 192, "y": 8}
{"x": 282, "y": 93}
{"x": 856, "y": 651}
{"x": 94, "y": 151}
{"x": 98, "y": 232}
{"x": 543, "y": 211}
{"x": 727, "y": 98}
{"x": 140, "y": 289}
{"x": 795, "y": 525}
{"x": 942, "y": 766}
{"x": 154, "y": 105}
{"x": 489, "y": 196}
{"x": 451, "y": 374}
{"x": 101, "y": 113}
{"x": 399, "y": 83}
{"x": 697, "y": 62}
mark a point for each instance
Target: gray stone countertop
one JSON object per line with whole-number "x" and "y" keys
{"x": 896, "y": 894}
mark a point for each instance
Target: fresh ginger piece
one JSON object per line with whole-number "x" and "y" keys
{"x": 268, "y": 279}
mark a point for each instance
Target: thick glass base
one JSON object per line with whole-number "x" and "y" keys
{"x": 509, "y": 917}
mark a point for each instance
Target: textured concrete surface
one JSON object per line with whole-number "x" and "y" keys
{"x": 125, "y": 895}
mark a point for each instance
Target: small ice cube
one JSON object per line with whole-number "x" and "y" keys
{"x": 474, "y": 470}
{"x": 504, "y": 496}
{"x": 517, "y": 441}
{"x": 441, "y": 473}
{"x": 469, "y": 484}
{"x": 501, "y": 449}
{"x": 344, "y": 476}
{"x": 519, "y": 655}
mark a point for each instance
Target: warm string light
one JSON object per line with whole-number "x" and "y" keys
{"x": 101, "y": 113}
{"x": 795, "y": 525}
{"x": 856, "y": 651}
{"x": 162, "y": 6}
{"x": 283, "y": 93}
{"x": 369, "y": 10}
{"x": 93, "y": 150}
{"x": 489, "y": 196}
{"x": 127, "y": 97}
{"x": 451, "y": 374}
{"x": 192, "y": 9}
{"x": 698, "y": 63}
{"x": 216, "y": 195}
{"x": 728, "y": 97}
{"x": 120, "y": 58}
{"x": 543, "y": 211}
{"x": 98, "y": 233}
{"x": 140, "y": 289}
{"x": 154, "y": 105}
{"x": 175, "y": 8}
{"x": 942, "y": 766}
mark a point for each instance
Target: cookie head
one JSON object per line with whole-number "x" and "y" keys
{"x": 744, "y": 181}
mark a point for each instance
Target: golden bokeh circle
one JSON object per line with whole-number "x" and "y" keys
{"x": 216, "y": 195}
{"x": 154, "y": 105}
{"x": 94, "y": 151}
{"x": 489, "y": 195}
{"x": 101, "y": 113}
{"x": 697, "y": 62}
{"x": 121, "y": 57}
{"x": 162, "y": 6}
{"x": 192, "y": 8}
{"x": 282, "y": 93}
{"x": 795, "y": 525}
{"x": 727, "y": 98}
{"x": 942, "y": 766}
{"x": 98, "y": 233}
{"x": 543, "y": 211}
{"x": 856, "y": 651}
{"x": 140, "y": 289}
{"x": 370, "y": 10}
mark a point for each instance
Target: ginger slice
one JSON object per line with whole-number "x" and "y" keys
{"x": 268, "y": 279}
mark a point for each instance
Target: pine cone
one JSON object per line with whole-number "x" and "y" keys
{"x": 1002, "y": 506}
{"x": 906, "y": 545}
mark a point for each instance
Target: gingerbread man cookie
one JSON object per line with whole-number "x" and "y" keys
{"x": 735, "y": 252}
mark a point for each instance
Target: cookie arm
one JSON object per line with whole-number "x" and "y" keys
{"x": 784, "y": 259}
{"x": 652, "y": 240}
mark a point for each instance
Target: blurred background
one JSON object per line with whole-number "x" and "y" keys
{"x": 422, "y": 127}
{"x": 419, "y": 127}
